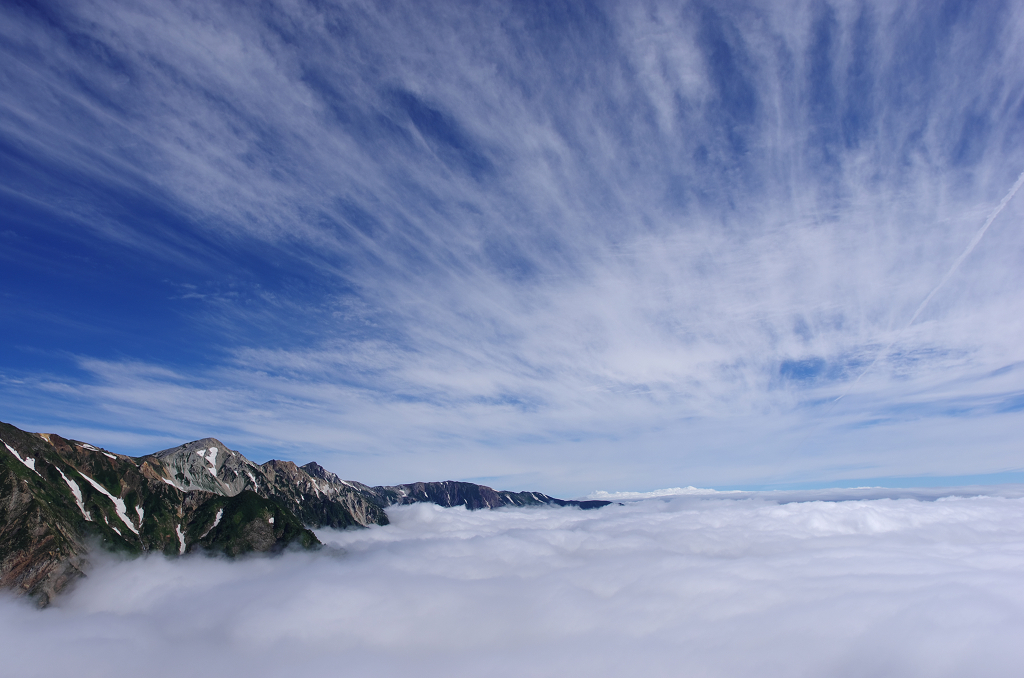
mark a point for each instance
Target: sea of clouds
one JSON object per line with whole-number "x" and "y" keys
{"x": 860, "y": 582}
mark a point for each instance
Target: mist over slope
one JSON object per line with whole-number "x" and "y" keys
{"x": 681, "y": 585}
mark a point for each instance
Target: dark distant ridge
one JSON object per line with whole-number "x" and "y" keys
{"x": 55, "y": 494}
{"x": 472, "y": 496}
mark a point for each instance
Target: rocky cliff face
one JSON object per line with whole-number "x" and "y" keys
{"x": 320, "y": 498}
{"x": 58, "y": 495}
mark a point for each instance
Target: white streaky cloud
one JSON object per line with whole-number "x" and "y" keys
{"x": 720, "y": 450}
{"x": 952, "y": 269}
{"x": 970, "y": 247}
{"x": 687, "y": 585}
{"x": 598, "y": 238}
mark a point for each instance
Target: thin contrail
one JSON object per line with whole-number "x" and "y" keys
{"x": 952, "y": 269}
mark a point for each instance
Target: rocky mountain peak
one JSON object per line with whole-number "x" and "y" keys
{"x": 317, "y": 471}
{"x": 206, "y": 448}
{"x": 208, "y": 465}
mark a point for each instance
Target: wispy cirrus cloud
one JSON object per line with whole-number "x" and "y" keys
{"x": 628, "y": 233}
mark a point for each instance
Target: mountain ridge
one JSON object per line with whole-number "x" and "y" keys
{"x": 56, "y": 494}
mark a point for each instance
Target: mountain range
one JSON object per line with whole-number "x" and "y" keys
{"x": 58, "y": 497}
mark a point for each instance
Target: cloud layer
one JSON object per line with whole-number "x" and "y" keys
{"x": 521, "y": 240}
{"x": 693, "y": 585}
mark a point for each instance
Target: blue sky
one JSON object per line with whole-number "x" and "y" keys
{"x": 563, "y": 247}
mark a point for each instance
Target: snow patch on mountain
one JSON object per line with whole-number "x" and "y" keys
{"x": 77, "y": 491}
{"x": 119, "y": 506}
{"x": 216, "y": 522}
{"x": 27, "y": 461}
